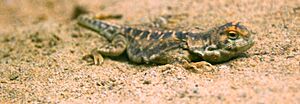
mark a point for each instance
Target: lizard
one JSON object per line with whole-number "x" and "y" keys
{"x": 191, "y": 50}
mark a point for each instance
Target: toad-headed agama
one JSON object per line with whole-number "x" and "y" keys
{"x": 191, "y": 50}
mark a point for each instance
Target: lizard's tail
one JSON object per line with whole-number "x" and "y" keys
{"x": 104, "y": 29}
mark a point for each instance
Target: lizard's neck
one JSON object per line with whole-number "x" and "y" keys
{"x": 199, "y": 40}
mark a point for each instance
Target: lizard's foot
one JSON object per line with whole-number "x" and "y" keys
{"x": 94, "y": 58}
{"x": 97, "y": 57}
{"x": 200, "y": 67}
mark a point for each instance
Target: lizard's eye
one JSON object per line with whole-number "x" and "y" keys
{"x": 232, "y": 35}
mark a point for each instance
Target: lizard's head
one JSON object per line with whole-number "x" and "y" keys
{"x": 234, "y": 37}
{"x": 229, "y": 40}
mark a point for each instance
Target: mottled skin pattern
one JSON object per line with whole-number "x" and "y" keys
{"x": 217, "y": 45}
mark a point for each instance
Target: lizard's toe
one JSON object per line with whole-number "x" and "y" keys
{"x": 89, "y": 59}
{"x": 204, "y": 66}
{"x": 200, "y": 67}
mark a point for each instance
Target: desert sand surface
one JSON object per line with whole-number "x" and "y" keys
{"x": 41, "y": 51}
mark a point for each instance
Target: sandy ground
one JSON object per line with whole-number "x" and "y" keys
{"x": 41, "y": 50}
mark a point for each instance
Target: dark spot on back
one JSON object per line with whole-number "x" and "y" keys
{"x": 167, "y": 35}
{"x": 94, "y": 22}
{"x": 145, "y": 34}
{"x": 136, "y": 32}
{"x": 200, "y": 36}
{"x": 154, "y": 35}
{"x": 180, "y": 35}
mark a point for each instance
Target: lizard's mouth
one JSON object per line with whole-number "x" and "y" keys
{"x": 239, "y": 45}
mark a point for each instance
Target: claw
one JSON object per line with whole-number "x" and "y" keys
{"x": 98, "y": 59}
{"x": 200, "y": 67}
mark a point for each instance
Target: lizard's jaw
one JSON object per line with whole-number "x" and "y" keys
{"x": 239, "y": 46}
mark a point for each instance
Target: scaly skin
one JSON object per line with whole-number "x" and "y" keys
{"x": 217, "y": 45}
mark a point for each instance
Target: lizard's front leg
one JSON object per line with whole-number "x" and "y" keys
{"x": 184, "y": 59}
